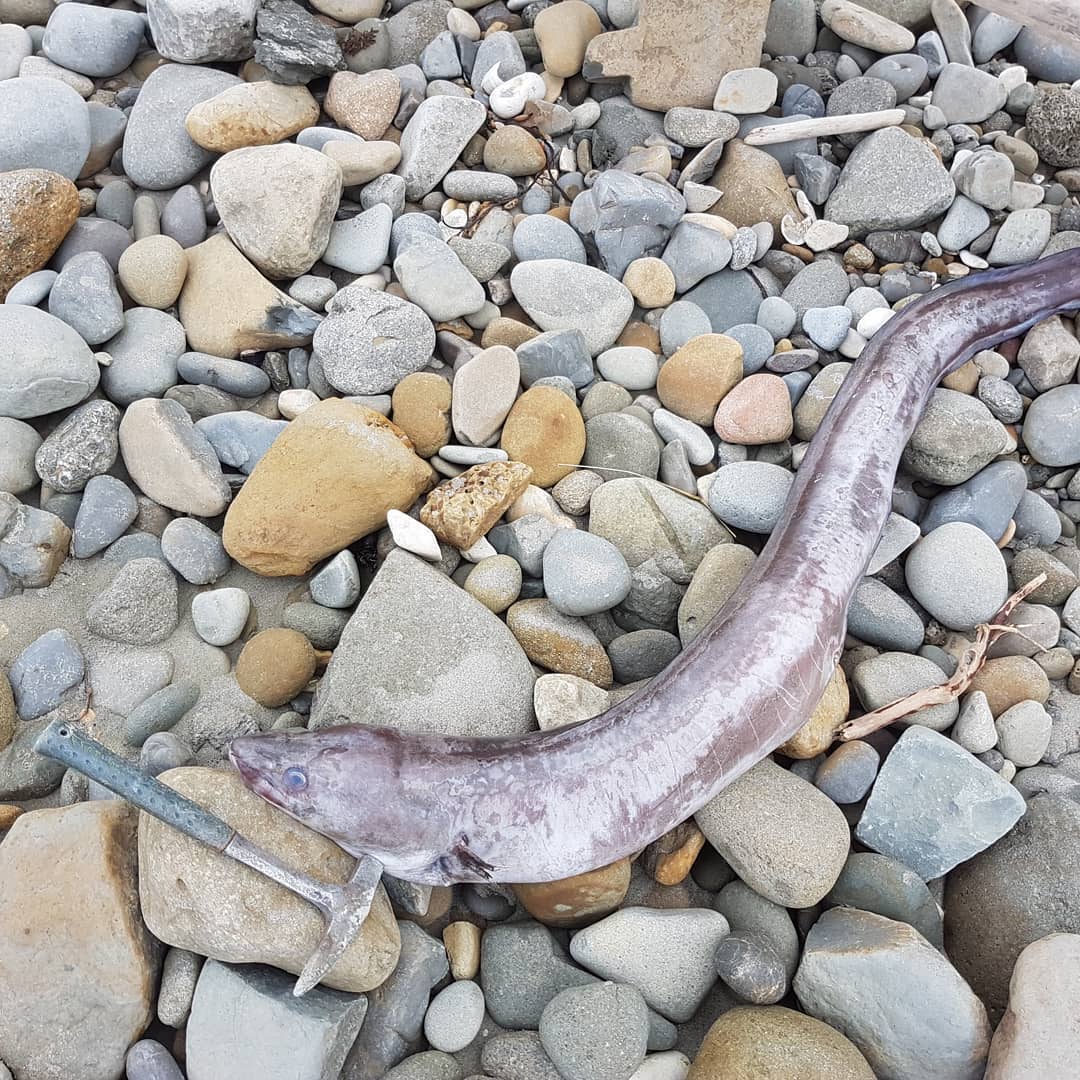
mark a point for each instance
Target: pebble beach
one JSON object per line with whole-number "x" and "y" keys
{"x": 445, "y": 365}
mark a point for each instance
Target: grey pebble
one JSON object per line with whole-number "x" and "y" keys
{"x": 359, "y": 244}
{"x": 584, "y": 574}
{"x": 139, "y": 606}
{"x": 320, "y": 625}
{"x": 525, "y": 539}
{"x": 32, "y": 289}
{"x": 749, "y": 495}
{"x": 987, "y": 501}
{"x": 240, "y": 438}
{"x": 879, "y": 616}
{"x": 1051, "y": 430}
{"x": 541, "y": 236}
{"x": 680, "y": 322}
{"x": 337, "y": 584}
{"x": 162, "y": 752}
{"x": 94, "y": 41}
{"x": 622, "y": 441}
{"x": 194, "y": 551}
{"x": 144, "y": 356}
{"x": 828, "y": 326}
{"x": 757, "y": 344}
{"x": 44, "y": 672}
{"x": 596, "y": 1032}
{"x": 232, "y": 376}
{"x": 848, "y": 773}
{"x": 750, "y": 968}
{"x": 776, "y": 316}
{"x": 44, "y": 124}
{"x": 159, "y": 712}
{"x": 880, "y": 680}
{"x": 106, "y": 510}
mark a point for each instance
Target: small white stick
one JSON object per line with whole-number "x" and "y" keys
{"x": 815, "y": 127}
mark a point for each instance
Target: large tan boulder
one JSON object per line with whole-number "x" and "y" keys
{"x": 37, "y": 208}
{"x": 328, "y": 479}
{"x": 78, "y": 970}
{"x": 197, "y": 899}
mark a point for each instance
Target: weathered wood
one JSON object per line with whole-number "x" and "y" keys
{"x": 1046, "y": 16}
{"x": 679, "y": 50}
{"x": 819, "y": 127}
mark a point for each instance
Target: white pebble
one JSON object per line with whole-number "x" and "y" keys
{"x": 102, "y": 359}
{"x": 976, "y": 262}
{"x": 457, "y": 218}
{"x": 823, "y": 235}
{"x": 852, "y": 345}
{"x": 1013, "y": 76}
{"x": 696, "y": 442}
{"x": 873, "y": 321}
{"x": 482, "y": 549}
{"x": 291, "y": 403}
{"x": 670, "y": 1065}
{"x": 413, "y": 535}
{"x": 567, "y": 159}
{"x": 509, "y": 98}
{"x": 472, "y": 455}
{"x": 220, "y": 615}
{"x": 461, "y": 22}
{"x": 491, "y": 80}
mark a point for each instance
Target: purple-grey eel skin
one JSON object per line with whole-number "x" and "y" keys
{"x": 551, "y": 804}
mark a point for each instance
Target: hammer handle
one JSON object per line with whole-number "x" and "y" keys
{"x": 66, "y": 743}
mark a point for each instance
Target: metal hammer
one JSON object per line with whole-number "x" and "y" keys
{"x": 343, "y": 907}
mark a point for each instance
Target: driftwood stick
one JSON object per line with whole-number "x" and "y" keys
{"x": 818, "y": 127}
{"x": 973, "y": 658}
{"x": 1051, "y": 17}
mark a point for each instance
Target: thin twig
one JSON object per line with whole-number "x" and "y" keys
{"x": 972, "y": 659}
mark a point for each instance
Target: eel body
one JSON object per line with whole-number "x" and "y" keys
{"x": 551, "y": 804}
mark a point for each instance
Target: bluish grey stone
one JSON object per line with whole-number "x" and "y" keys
{"x": 732, "y": 296}
{"x": 749, "y": 495}
{"x": 558, "y": 352}
{"x": 315, "y": 138}
{"x": 541, "y": 236}
{"x": 183, "y": 217}
{"x": 44, "y": 365}
{"x": 337, "y": 584}
{"x": 408, "y": 228}
{"x": 395, "y": 1015}
{"x": 144, "y": 356}
{"x": 232, "y": 376}
{"x": 680, "y": 322}
{"x": 359, "y": 244}
{"x": 137, "y": 545}
{"x": 695, "y": 251}
{"x": 524, "y": 540}
{"x": 792, "y": 28}
{"x": 24, "y": 773}
{"x": 439, "y": 58}
{"x": 800, "y": 100}
{"x": 106, "y": 510}
{"x": 293, "y": 45}
{"x": 44, "y": 672}
{"x": 906, "y": 72}
{"x": 816, "y": 176}
{"x": 776, "y": 316}
{"x": 82, "y": 445}
{"x": 827, "y": 326}
{"x": 535, "y": 200}
{"x": 116, "y": 200}
{"x": 466, "y": 185}
{"x": 934, "y": 806}
{"x": 878, "y": 616}
{"x": 797, "y": 382}
{"x": 159, "y": 712}
{"x": 138, "y": 607}
{"x": 93, "y": 234}
{"x": 921, "y": 188}
{"x": 85, "y": 297}
{"x": 194, "y": 551}
{"x": 1051, "y": 430}
{"x": 873, "y": 882}
{"x": 32, "y": 289}
{"x": 621, "y": 127}
{"x": 596, "y": 1032}
{"x": 1036, "y": 521}
{"x": 584, "y": 574}
{"x": 502, "y": 49}
{"x": 750, "y": 968}
{"x": 696, "y": 127}
{"x": 890, "y": 676}
{"x": 987, "y": 500}
{"x": 757, "y": 344}
{"x": 848, "y": 772}
{"x": 932, "y": 49}
{"x": 1053, "y": 58}
{"x": 628, "y": 217}
{"x": 248, "y": 1013}
{"x": 822, "y": 283}
{"x": 95, "y": 41}
{"x": 240, "y": 438}
{"x": 641, "y": 654}
{"x": 435, "y": 279}
{"x": 1022, "y": 237}
{"x": 967, "y": 95}
{"x": 158, "y": 152}
{"x": 621, "y": 441}
{"x": 434, "y": 138}
{"x": 44, "y": 124}
{"x": 1001, "y": 398}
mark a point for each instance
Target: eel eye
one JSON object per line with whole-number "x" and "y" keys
{"x": 294, "y": 778}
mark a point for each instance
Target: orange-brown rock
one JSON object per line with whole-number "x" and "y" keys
{"x": 558, "y": 642}
{"x": 327, "y": 480}
{"x": 504, "y": 331}
{"x": 251, "y": 114}
{"x": 37, "y": 208}
{"x": 1008, "y": 680}
{"x": 695, "y": 378}
{"x": 754, "y": 186}
{"x": 577, "y": 900}
{"x": 545, "y": 430}
{"x": 77, "y": 966}
{"x": 669, "y": 859}
{"x": 7, "y": 712}
{"x": 965, "y": 378}
{"x": 463, "y": 509}
{"x": 755, "y": 1042}
{"x": 421, "y": 408}
{"x": 275, "y": 665}
{"x": 462, "y": 941}
{"x": 8, "y": 814}
{"x": 817, "y": 734}
{"x": 756, "y": 411}
{"x": 640, "y": 333}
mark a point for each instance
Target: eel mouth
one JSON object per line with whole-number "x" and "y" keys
{"x": 255, "y": 768}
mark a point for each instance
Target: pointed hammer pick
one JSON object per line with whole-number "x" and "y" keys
{"x": 343, "y": 907}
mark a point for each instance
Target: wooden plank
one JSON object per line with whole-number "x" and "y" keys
{"x": 814, "y": 127}
{"x": 1052, "y": 17}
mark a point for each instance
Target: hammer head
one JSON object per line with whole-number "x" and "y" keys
{"x": 345, "y": 909}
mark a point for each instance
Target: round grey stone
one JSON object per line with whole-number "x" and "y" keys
{"x": 95, "y": 41}
{"x": 641, "y": 654}
{"x": 194, "y": 551}
{"x": 232, "y": 376}
{"x": 848, "y": 773}
{"x": 987, "y": 501}
{"x": 827, "y": 326}
{"x": 183, "y": 217}
{"x": 454, "y": 1016}
{"x": 44, "y": 124}
{"x": 144, "y": 356}
{"x": 597, "y": 1032}
{"x": 750, "y": 495}
{"x": 757, "y": 343}
{"x": 956, "y": 437}
{"x": 958, "y": 574}
{"x": 19, "y": 442}
{"x": 878, "y": 616}
{"x": 84, "y": 444}
{"x": 541, "y": 236}
{"x": 777, "y": 316}
{"x": 883, "y": 679}
{"x": 1051, "y": 430}
{"x": 621, "y": 441}
{"x": 139, "y": 606}
{"x": 750, "y": 968}
{"x": 584, "y": 574}
{"x": 32, "y": 289}
{"x": 44, "y": 671}
{"x": 44, "y": 364}
{"x": 680, "y": 322}
{"x": 322, "y": 626}
{"x": 85, "y": 297}
{"x": 106, "y": 510}
{"x": 337, "y": 584}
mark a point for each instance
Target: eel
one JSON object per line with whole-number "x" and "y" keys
{"x": 552, "y": 804}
